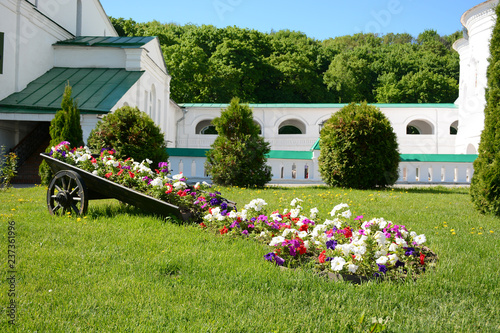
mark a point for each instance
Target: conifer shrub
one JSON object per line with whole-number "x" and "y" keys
{"x": 359, "y": 148}
{"x": 132, "y": 133}
{"x": 485, "y": 184}
{"x": 64, "y": 127}
{"x": 238, "y": 155}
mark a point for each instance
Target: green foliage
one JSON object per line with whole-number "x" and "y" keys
{"x": 238, "y": 155}
{"x": 64, "y": 127}
{"x": 132, "y": 133}
{"x": 485, "y": 184}
{"x": 8, "y": 168}
{"x": 210, "y": 64}
{"x": 359, "y": 148}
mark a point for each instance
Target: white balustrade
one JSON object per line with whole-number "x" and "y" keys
{"x": 291, "y": 170}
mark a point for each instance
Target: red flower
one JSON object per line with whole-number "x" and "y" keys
{"x": 303, "y": 227}
{"x": 322, "y": 257}
{"x": 131, "y": 174}
{"x": 93, "y": 160}
{"x": 422, "y": 259}
{"x": 224, "y": 230}
{"x": 203, "y": 225}
{"x": 347, "y": 232}
{"x": 181, "y": 193}
{"x": 120, "y": 172}
{"x": 302, "y": 249}
{"x": 109, "y": 174}
{"x": 128, "y": 159}
{"x": 170, "y": 188}
{"x": 295, "y": 219}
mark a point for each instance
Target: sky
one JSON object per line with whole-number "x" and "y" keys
{"x": 319, "y": 19}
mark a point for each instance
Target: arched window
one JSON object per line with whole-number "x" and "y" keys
{"x": 292, "y": 126}
{"x": 454, "y": 128}
{"x": 205, "y": 127}
{"x": 419, "y": 127}
{"x": 260, "y": 127}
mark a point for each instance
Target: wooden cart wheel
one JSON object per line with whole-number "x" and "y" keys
{"x": 67, "y": 193}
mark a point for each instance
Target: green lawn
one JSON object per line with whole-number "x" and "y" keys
{"x": 119, "y": 269}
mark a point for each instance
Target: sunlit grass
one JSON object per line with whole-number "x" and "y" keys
{"x": 118, "y": 269}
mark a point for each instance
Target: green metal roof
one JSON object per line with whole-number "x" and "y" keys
{"x": 323, "y": 105}
{"x": 131, "y": 42}
{"x": 96, "y": 90}
{"x": 453, "y": 158}
{"x": 200, "y": 152}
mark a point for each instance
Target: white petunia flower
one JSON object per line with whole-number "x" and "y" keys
{"x": 278, "y": 240}
{"x": 382, "y": 260}
{"x": 314, "y": 212}
{"x": 338, "y": 263}
{"x": 420, "y": 239}
{"x": 157, "y": 182}
{"x": 294, "y": 212}
{"x": 178, "y": 176}
{"x": 393, "y": 247}
{"x": 401, "y": 242}
{"x": 347, "y": 214}
{"x": 393, "y": 258}
{"x": 352, "y": 268}
{"x": 338, "y": 207}
{"x": 295, "y": 201}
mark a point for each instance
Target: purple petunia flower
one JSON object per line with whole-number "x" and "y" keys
{"x": 214, "y": 201}
{"x": 410, "y": 251}
{"x": 295, "y": 243}
{"x": 223, "y": 206}
{"x": 270, "y": 256}
{"x": 279, "y": 261}
{"x": 382, "y": 268}
{"x": 127, "y": 167}
{"x": 245, "y": 232}
{"x": 293, "y": 251}
{"x": 331, "y": 244}
{"x": 63, "y": 153}
{"x": 400, "y": 264}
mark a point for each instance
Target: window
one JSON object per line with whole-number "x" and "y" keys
{"x": 454, "y": 128}
{"x": 419, "y": 127}
{"x": 205, "y": 127}
{"x": 1, "y": 52}
{"x": 292, "y": 126}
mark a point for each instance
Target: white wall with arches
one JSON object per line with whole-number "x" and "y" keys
{"x": 303, "y": 124}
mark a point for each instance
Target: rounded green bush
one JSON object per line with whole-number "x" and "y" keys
{"x": 132, "y": 133}
{"x": 359, "y": 148}
{"x": 238, "y": 155}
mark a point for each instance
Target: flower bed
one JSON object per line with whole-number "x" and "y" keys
{"x": 338, "y": 244}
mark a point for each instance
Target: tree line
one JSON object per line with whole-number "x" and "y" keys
{"x": 212, "y": 65}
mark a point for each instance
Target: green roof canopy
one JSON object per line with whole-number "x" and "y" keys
{"x": 132, "y": 42}
{"x": 96, "y": 90}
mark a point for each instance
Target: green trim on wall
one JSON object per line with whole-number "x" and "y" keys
{"x": 451, "y": 158}
{"x": 308, "y": 155}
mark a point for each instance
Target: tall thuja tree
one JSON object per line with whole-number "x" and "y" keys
{"x": 64, "y": 127}
{"x": 485, "y": 185}
{"x": 238, "y": 155}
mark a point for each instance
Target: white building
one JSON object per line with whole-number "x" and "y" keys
{"x": 474, "y": 52}
{"x": 45, "y": 44}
